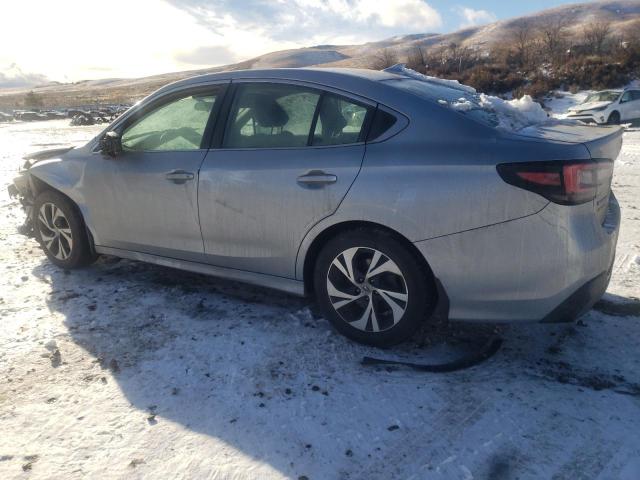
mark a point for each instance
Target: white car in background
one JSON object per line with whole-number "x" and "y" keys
{"x": 608, "y": 107}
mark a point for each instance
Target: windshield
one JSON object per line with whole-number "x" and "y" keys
{"x": 602, "y": 97}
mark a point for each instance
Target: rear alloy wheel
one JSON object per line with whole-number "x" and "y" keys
{"x": 373, "y": 301}
{"x": 371, "y": 288}
{"x": 60, "y": 230}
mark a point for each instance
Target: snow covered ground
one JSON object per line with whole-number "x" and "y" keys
{"x": 131, "y": 370}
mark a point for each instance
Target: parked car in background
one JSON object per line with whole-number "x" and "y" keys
{"x": 608, "y": 107}
{"x": 5, "y": 117}
{"x": 54, "y": 115}
{"x": 364, "y": 188}
{"x": 27, "y": 116}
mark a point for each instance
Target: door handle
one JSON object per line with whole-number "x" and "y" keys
{"x": 317, "y": 178}
{"x": 179, "y": 176}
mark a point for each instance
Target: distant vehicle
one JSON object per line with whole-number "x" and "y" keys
{"x": 73, "y": 112}
{"x": 5, "y": 117}
{"x": 355, "y": 185}
{"x": 82, "y": 119}
{"x": 30, "y": 116}
{"x": 608, "y": 107}
{"x": 93, "y": 117}
{"x": 54, "y": 115}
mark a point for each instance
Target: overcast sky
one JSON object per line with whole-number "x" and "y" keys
{"x": 70, "y": 40}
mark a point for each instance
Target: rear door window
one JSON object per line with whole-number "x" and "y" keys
{"x": 340, "y": 121}
{"x": 265, "y": 115}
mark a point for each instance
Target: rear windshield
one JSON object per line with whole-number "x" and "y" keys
{"x": 461, "y": 99}
{"x": 510, "y": 115}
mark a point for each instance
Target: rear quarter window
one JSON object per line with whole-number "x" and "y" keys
{"x": 382, "y": 123}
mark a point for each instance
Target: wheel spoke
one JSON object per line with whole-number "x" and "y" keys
{"x": 374, "y": 319}
{"x": 397, "y": 295}
{"x": 345, "y": 297}
{"x": 47, "y": 239}
{"x": 362, "y": 322}
{"x": 65, "y": 246}
{"x": 386, "y": 267}
{"x": 347, "y": 255}
{"x": 64, "y": 250}
{"x": 374, "y": 261}
{"x": 348, "y": 259}
{"x": 66, "y": 233}
{"x": 396, "y": 309}
{"x": 49, "y": 216}
{"x": 59, "y": 253}
{"x": 55, "y": 215}
{"x": 42, "y": 216}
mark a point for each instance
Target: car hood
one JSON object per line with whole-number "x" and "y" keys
{"x": 35, "y": 157}
{"x": 583, "y": 107}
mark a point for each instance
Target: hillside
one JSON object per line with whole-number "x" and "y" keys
{"x": 622, "y": 16}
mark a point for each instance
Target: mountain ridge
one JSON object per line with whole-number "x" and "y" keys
{"x": 622, "y": 15}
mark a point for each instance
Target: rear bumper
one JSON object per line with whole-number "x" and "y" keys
{"x": 581, "y": 301}
{"x": 551, "y": 266}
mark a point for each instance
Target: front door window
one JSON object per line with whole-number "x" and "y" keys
{"x": 177, "y": 125}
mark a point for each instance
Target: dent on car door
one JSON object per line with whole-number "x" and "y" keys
{"x": 145, "y": 199}
{"x": 287, "y": 159}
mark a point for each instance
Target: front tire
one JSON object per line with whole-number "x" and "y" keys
{"x": 60, "y": 230}
{"x": 614, "y": 119}
{"x": 371, "y": 287}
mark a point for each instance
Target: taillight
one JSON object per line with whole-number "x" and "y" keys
{"x": 563, "y": 182}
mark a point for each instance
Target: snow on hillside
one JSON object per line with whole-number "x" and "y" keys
{"x": 129, "y": 370}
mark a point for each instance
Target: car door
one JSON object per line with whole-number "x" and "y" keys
{"x": 272, "y": 179}
{"x": 634, "y": 105}
{"x": 145, "y": 199}
{"x": 626, "y": 106}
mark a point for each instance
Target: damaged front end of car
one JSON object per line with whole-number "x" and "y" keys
{"x": 25, "y": 187}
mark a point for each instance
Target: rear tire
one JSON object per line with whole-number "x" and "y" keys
{"x": 371, "y": 287}
{"x": 60, "y": 230}
{"x": 614, "y": 119}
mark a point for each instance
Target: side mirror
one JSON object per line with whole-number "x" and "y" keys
{"x": 110, "y": 144}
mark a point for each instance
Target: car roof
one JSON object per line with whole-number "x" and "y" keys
{"x": 336, "y": 77}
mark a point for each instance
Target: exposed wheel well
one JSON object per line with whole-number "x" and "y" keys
{"x": 331, "y": 232}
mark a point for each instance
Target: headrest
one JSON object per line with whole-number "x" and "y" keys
{"x": 332, "y": 119}
{"x": 266, "y": 111}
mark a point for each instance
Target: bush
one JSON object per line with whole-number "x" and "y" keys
{"x": 594, "y": 73}
{"x": 492, "y": 78}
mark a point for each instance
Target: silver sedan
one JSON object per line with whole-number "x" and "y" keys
{"x": 363, "y": 188}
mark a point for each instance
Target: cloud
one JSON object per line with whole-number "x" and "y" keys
{"x": 471, "y": 17}
{"x": 207, "y": 55}
{"x": 14, "y": 77}
{"x": 308, "y": 22}
{"x": 187, "y": 34}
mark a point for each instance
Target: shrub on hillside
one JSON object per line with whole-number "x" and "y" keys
{"x": 494, "y": 78}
